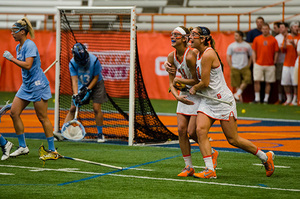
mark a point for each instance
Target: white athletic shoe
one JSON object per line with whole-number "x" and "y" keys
{"x": 58, "y": 136}
{"x": 20, "y": 151}
{"x": 6, "y": 150}
{"x": 101, "y": 138}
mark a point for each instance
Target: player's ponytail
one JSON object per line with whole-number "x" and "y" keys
{"x": 25, "y": 23}
{"x": 212, "y": 44}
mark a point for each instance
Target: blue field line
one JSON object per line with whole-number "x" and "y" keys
{"x": 116, "y": 171}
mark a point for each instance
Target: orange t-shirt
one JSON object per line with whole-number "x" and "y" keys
{"x": 290, "y": 51}
{"x": 265, "y": 48}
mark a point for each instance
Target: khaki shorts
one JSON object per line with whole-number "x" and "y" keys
{"x": 239, "y": 76}
{"x": 264, "y": 73}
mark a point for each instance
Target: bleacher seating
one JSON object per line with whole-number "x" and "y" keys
{"x": 12, "y": 10}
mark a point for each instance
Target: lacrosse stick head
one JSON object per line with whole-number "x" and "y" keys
{"x": 47, "y": 155}
{"x": 73, "y": 130}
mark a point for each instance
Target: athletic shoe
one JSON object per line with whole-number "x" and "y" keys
{"x": 101, "y": 138}
{"x": 206, "y": 173}
{"x": 187, "y": 171}
{"x": 269, "y": 164}
{"x": 58, "y": 136}
{"x": 20, "y": 151}
{"x": 6, "y": 150}
{"x": 215, "y": 157}
{"x": 293, "y": 104}
{"x": 50, "y": 155}
{"x": 4, "y": 109}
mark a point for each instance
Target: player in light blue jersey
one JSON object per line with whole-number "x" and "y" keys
{"x": 87, "y": 83}
{"x": 35, "y": 86}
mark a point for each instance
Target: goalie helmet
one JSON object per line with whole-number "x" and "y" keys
{"x": 81, "y": 55}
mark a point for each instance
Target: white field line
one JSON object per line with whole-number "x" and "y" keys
{"x": 72, "y": 170}
{"x": 276, "y": 166}
{"x": 7, "y": 174}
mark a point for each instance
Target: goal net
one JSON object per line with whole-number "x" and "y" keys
{"x": 110, "y": 34}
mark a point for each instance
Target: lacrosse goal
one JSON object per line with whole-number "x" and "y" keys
{"x": 110, "y": 34}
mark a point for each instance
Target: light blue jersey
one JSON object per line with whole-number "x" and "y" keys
{"x": 86, "y": 74}
{"x": 35, "y": 84}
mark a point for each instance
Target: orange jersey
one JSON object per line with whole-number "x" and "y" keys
{"x": 265, "y": 48}
{"x": 290, "y": 50}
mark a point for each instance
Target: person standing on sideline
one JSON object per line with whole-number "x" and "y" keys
{"x": 239, "y": 59}
{"x": 6, "y": 147}
{"x": 276, "y": 29}
{"x": 212, "y": 84}
{"x": 183, "y": 60}
{"x": 283, "y": 31}
{"x": 256, "y": 31}
{"x": 287, "y": 79}
{"x": 87, "y": 80}
{"x": 296, "y": 72}
{"x": 265, "y": 53}
{"x": 35, "y": 86}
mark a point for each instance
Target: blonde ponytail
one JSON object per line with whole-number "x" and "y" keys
{"x": 26, "y": 23}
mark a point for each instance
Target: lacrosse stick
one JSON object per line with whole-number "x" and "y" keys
{"x": 208, "y": 97}
{"x": 7, "y": 107}
{"x": 73, "y": 130}
{"x": 47, "y": 155}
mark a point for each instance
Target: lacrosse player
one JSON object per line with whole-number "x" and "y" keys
{"x": 6, "y": 147}
{"x": 183, "y": 59}
{"x": 212, "y": 83}
{"x": 35, "y": 86}
{"x": 87, "y": 83}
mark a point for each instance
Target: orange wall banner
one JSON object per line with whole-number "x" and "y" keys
{"x": 11, "y": 76}
{"x": 153, "y": 50}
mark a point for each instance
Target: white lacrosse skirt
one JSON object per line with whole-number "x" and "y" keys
{"x": 189, "y": 110}
{"x": 217, "y": 89}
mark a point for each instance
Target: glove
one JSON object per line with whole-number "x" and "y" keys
{"x": 76, "y": 100}
{"x": 84, "y": 94}
{"x": 8, "y": 55}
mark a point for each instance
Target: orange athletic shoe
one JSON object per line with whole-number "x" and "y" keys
{"x": 187, "y": 171}
{"x": 206, "y": 173}
{"x": 269, "y": 164}
{"x": 214, "y": 158}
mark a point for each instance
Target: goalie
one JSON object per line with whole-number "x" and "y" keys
{"x": 87, "y": 83}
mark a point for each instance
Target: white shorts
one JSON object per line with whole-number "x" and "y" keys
{"x": 288, "y": 77}
{"x": 189, "y": 110}
{"x": 264, "y": 73}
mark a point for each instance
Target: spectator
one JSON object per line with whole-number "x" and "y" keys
{"x": 276, "y": 27}
{"x": 283, "y": 31}
{"x": 239, "y": 59}
{"x": 287, "y": 79}
{"x": 256, "y": 31}
{"x": 265, "y": 53}
{"x": 296, "y": 73}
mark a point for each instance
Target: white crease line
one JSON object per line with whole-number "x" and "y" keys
{"x": 153, "y": 178}
{"x": 202, "y": 167}
{"x": 7, "y": 174}
{"x": 276, "y": 166}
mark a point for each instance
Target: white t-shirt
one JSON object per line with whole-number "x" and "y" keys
{"x": 239, "y": 54}
{"x": 281, "y": 55}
